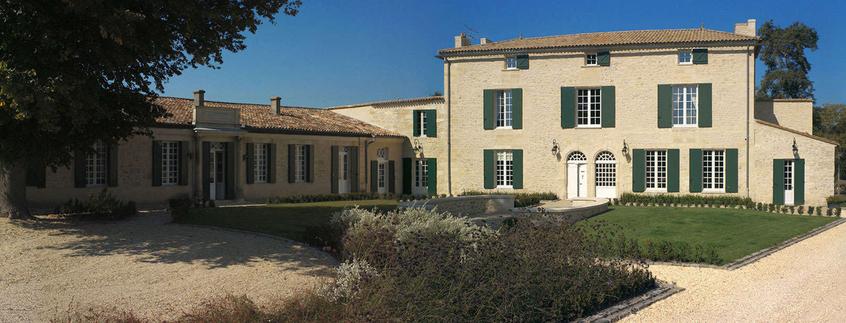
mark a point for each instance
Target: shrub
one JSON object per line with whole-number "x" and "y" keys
{"x": 688, "y": 199}
{"x": 101, "y": 206}
{"x": 819, "y": 210}
{"x": 520, "y": 199}
{"x": 326, "y": 198}
{"x": 836, "y": 199}
{"x": 179, "y": 207}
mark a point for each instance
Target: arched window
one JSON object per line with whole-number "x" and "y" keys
{"x": 577, "y": 156}
{"x": 606, "y": 170}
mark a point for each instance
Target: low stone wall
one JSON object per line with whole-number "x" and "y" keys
{"x": 466, "y": 205}
{"x": 571, "y": 214}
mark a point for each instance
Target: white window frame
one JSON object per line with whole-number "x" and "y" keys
{"x": 689, "y": 55}
{"x": 789, "y": 171}
{"x": 510, "y": 63}
{"x": 504, "y": 109}
{"x": 591, "y": 59}
{"x": 504, "y": 169}
{"x": 713, "y": 171}
{"x": 300, "y": 164}
{"x": 656, "y": 165}
{"x": 589, "y": 102}
{"x": 421, "y": 122}
{"x": 96, "y": 166}
{"x": 382, "y": 175}
{"x": 421, "y": 174}
{"x": 260, "y": 166}
{"x": 169, "y": 162}
{"x": 606, "y": 170}
{"x": 681, "y": 104}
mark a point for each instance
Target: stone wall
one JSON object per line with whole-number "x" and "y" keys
{"x": 796, "y": 114}
{"x": 466, "y": 205}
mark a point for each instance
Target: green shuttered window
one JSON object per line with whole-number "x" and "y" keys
{"x": 424, "y": 123}
{"x": 489, "y": 168}
{"x": 503, "y": 168}
{"x": 693, "y": 103}
{"x": 778, "y": 181}
{"x": 502, "y": 108}
{"x": 665, "y": 106}
{"x": 432, "y": 176}
{"x": 700, "y": 56}
{"x": 608, "y": 106}
{"x": 638, "y": 170}
{"x": 704, "y": 105}
{"x": 695, "y": 180}
{"x": 568, "y": 107}
{"x": 731, "y": 170}
{"x": 523, "y": 61}
{"x": 603, "y": 58}
{"x": 672, "y": 170}
{"x": 799, "y": 182}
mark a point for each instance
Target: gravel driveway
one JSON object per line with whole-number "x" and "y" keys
{"x": 804, "y": 282}
{"x": 144, "y": 264}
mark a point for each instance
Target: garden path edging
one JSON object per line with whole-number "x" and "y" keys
{"x": 634, "y": 304}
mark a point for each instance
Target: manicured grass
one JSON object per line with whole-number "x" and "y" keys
{"x": 733, "y": 232}
{"x": 285, "y": 220}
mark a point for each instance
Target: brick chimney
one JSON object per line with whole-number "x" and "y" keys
{"x": 276, "y": 105}
{"x": 199, "y": 98}
{"x": 483, "y": 40}
{"x": 746, "y": 28}
{"x": 461, "y": 40}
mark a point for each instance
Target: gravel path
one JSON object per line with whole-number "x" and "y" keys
{"x": 803, "y": 282}
{"x": 144, "y": 264}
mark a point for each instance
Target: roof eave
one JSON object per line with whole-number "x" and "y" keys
{"x": 452, "y": 52}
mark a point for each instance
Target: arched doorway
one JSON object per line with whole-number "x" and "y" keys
{"x": 576, "y": 175}
{"x": 606, "y": 175}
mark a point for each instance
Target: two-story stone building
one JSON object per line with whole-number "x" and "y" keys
{"x": 583, "y": 116}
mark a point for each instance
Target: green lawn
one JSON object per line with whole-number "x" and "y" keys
{"x": 285, "y": 220}
{"x": 735, "y": 233}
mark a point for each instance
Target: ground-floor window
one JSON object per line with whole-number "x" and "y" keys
{"x": 170, "y": 162}
{"x": 788, "y": 175}
{"x": 381, "y": 175}
{"x": 95, "y": 165}
{"x": 606, "y": 170}
{"x": 656, "y": 170}
{"x": 300, "y": 163}
{"x": 713, "y": 170}
{"x": 260, "y": 159}
{"x": 421, "y": 175}
{"x": 504, "y": 169}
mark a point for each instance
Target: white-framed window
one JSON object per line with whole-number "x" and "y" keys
{"x": 95, "y": 166}
{"x": 300, "y": 163}
{"x": 260, "y": 163}
{"x": 685, "y": 105}
{"x": 170, "y": 162}
{"x": 421, "y": 173}
{"x": 656, "y": 170}
{"x": 788, "y": 175}
{"x": 504, "y": 169}
{"x": 381, "y": 175}
{"x": 590, "y": 59}
{"x": 685, "y": 56}
{"x": 606, "y": 169}
{"x": 511, "y": 62}
{"x": 588, "y": 108}
{"x": 503, "y": 109}
{"x": 714, "y": 170}
{"x": 421, "y": 123}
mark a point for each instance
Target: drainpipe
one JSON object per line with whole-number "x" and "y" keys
{"x": 748, "y": 121}
{"x": 449, "y": 124}
{"x": 367, "y": 162}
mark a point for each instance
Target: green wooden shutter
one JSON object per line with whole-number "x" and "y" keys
{"x": 333, "y": 172}
{"x": 778, "y": 181}
{"x": 271, "y": 163}
{"x": 638, "y": 170}
{"x": 672, "y": 170}
{"x": 608, "y": 102}
{"x": 184, "y": 148}
{"x": 603, "y": 58}
{"x": 292, "y": 151}
{"x": 431, "y": 123}
{"x": 523, "y": 61}
{"x": 205, "y": 166}
{"x": 432, "y": 176}
{"x": 731, "y": 170}
{"x": 406, "y": 176}
{"x": 230, "y": 170}
{"x": 79, "y": 179}
{"x": 516, "y": 108}
{"x": 568, "y": 107}
{"x": 489, "y": 169}
{"x": 665, "y": 106}
{"x": 704, "y": 95}
{"x": 374, "y": 176}
{"x": 112, "y": 153}
{"x": 489, "y": 116}
{"x": 517, "y": 168}
{"x": 695, "y": 180}
{"x": 392, "y": 178}
{"x": 157, "y": 163}
{"x": 354, "y": 187}
{"x": 700, "y": 56}
{"x": 798, "y": 181}
{"x": 250, "y": 163}
{"x": 415, "y": 123}
{"x": 309, "y": 150}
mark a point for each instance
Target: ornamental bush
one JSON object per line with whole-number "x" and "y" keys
{"x": 687, "y": 199}
{"x": 101, "y": 206}
{"x": 520, "y": 199}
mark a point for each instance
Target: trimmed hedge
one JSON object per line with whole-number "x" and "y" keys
{"x": 689, "y": 199}
{"x": 326, "y": 198}
{"x": 520, "y": 199}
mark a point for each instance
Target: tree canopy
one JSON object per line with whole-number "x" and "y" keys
{"x": 783, "y": 52}
{"x": 830, "y": 122}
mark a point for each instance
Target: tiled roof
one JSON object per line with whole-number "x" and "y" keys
{"x": 434, "y": 98}
{"x": 259, "y": 117}
{"x": 614, "y": 38}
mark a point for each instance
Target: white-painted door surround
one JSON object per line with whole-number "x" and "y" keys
{"x": 344, "y": 170}
{"x": 606, "y": 175}
{"x": 576, "y": 175}
{"x": 217, "y": 171}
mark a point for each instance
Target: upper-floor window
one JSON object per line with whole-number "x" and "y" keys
{"x": 95, "y": 166}
{"x": 511, "y": 62}
{"x": 503, "y": 109}
{"x": 260, "y": 159}
{"x": 504, "y": 169}
{"x": 590, "y": 59}
{"x": 685, "y": 56}
{"x": 588, "y": 108}
{"x": 714, "y": 170}
{"x": 300, "y": 163}
{"x": 170, "y": 162}
{"x": 685, "y": 107}
{"x": 421, "y": 123}
{"x": 656, "y": 170}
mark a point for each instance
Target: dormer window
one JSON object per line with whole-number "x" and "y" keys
{"x": 511, "y": 62}
{"x": 685, "y": 56}
{"x": 590, "y": 59}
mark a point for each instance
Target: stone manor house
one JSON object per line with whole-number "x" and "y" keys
{"x": 584, "y": 116}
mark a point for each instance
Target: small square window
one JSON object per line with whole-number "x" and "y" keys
{"x": 511, "y": 63}
{"x": 590, "y": 59}
{"x": 685, "y": 56}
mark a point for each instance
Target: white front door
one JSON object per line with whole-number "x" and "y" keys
{"x": 576, "y": 180}
{"x": 788, "y": 182}
{"x": 217, "y": 172}
{"x": 606, "y": 176}
{"x": 344, "y": 171}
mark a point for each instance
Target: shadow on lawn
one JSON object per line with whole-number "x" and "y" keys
{"x": 151, "y": 238}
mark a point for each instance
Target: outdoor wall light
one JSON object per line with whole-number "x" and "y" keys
{"x": 625, "y": 148}
{"x": 555, "y": 148}
{"x": 795, "y": 148}
{"x": 417, "y": 147}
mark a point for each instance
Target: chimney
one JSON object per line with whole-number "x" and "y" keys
{"x": 461, "y": 40}
{"x": 483, "y": 40}
{"x": 746, "y": 28}
{"x": 276, "y": 105}
{"x": 199, "y": 98}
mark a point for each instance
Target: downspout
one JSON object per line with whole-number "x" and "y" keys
{"x": 748, "y": 122}
{"x": 449, "y": 125}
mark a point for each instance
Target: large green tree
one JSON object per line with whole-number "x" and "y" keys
{"x": 783, "y": 52}
{"x": 830, "y": 122}
{"x": 74, "y": 72}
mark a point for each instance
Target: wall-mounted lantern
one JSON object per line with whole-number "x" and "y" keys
{"x": 417, "y": 147}
{"x": 555, "y": 147}
{"x": 625, "y": 148}
{"x": 795, "y": 148}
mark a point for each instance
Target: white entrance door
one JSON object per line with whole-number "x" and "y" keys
{"x": 788, "y": 182}
{"x": 344, "y": 171}
{"x": 606, "y": 175}
{"x": 421, "y": 176}
{"x": 217, "y": 169}
{"x": 576, "y": 175}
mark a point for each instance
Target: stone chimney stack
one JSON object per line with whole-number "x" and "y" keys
{"x": 483, "y": 40}
{"x": 747, "y": 28}
{"x": 199, "y": 99}
{"x": 276, "y": 105}
{"x": 461, "y": 40}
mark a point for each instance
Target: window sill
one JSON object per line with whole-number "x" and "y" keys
{"x": 509, "y": 187}
{"x": 511, "y": 69}
{"x": 591, "y": 66}
{"x": 691, "y": 63}
{"x": 713, "y": 191}
{"x": 685, "y": 126}
{"x": 589, "y": 126}
{"x": 504, "y": 128}
{"x": 656, "y": 190}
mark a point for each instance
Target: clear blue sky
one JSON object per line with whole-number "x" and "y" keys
{"x": 341, "y": 52}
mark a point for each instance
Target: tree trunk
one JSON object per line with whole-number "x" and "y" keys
{"x": 13, "y": 191}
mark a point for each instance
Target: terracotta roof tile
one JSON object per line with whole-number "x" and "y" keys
{"x": 434, "y": 98}
{"x": 259, "y": 117}
{"x": 633, "y": 37}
